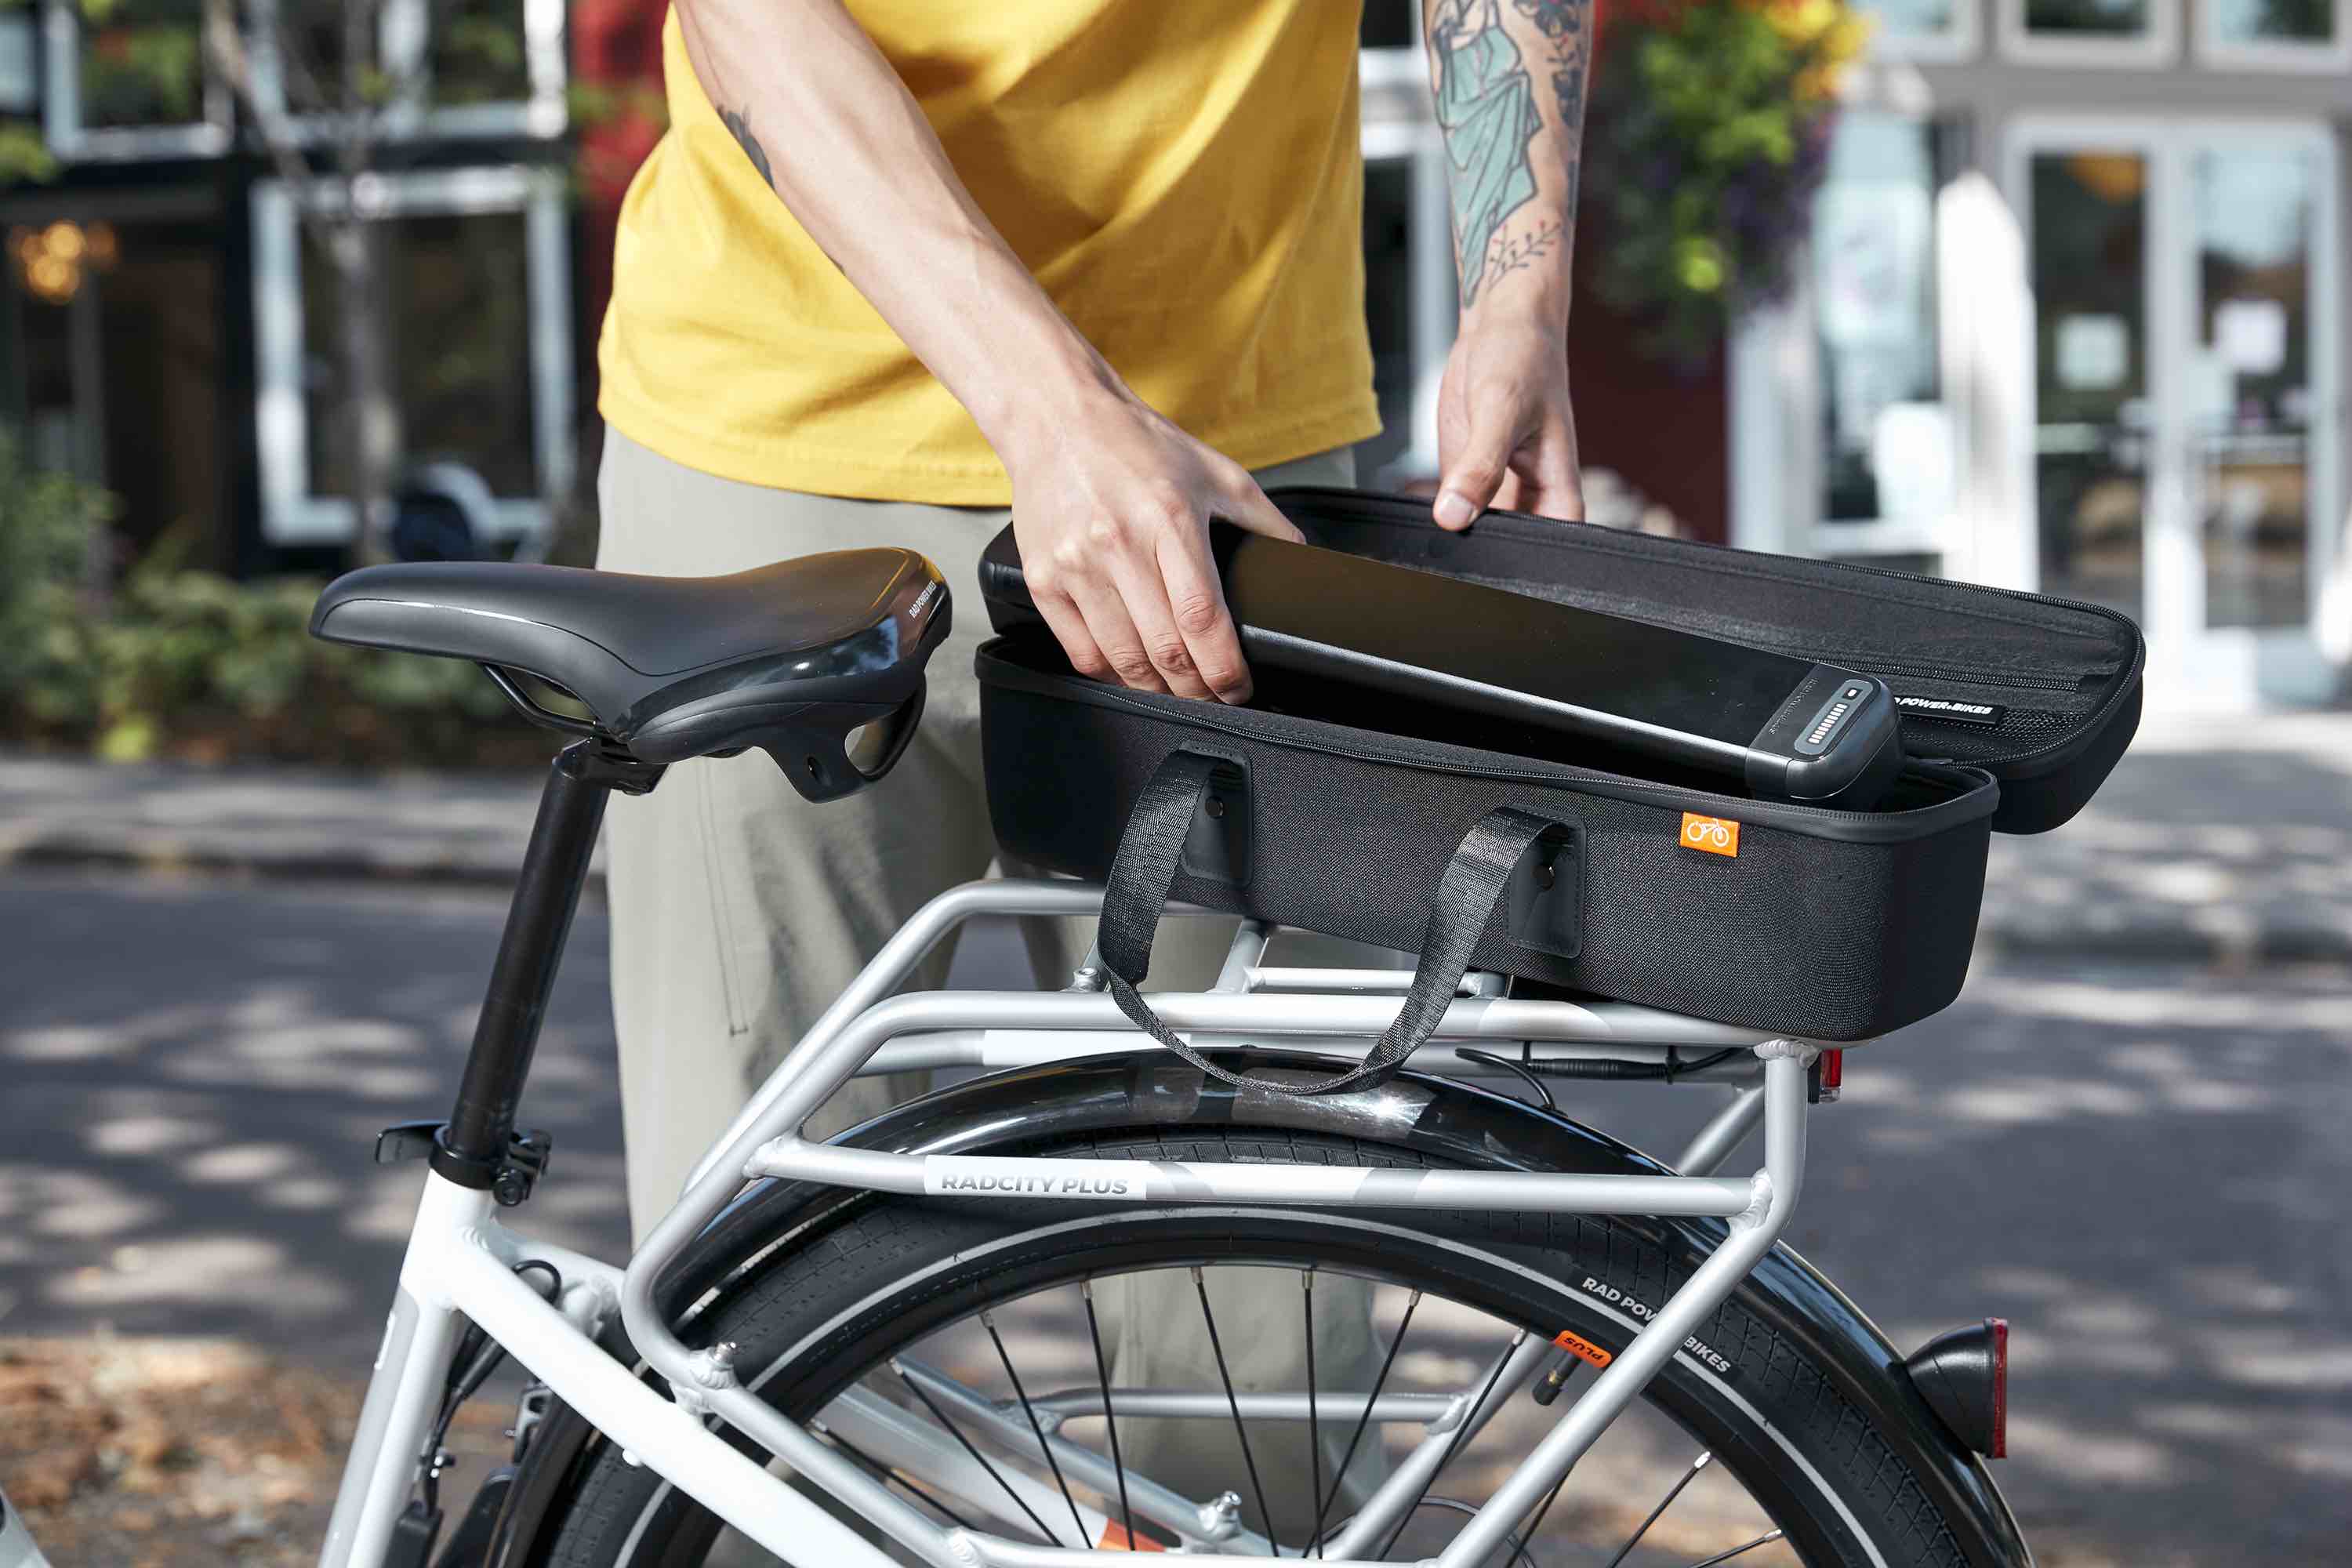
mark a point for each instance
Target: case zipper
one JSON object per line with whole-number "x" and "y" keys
{"x": 2092, "y": 723}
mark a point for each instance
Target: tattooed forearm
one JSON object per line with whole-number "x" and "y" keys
{"x": 1486, "y": 112}
{"x": 739, "y": 127}
{"x": 1565, "y": 26}
{"x": 1509, "y": 252}
{"x": 1494, "y": 129}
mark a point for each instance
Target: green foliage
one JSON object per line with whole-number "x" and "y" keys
{"x": 1708, "y": 136}
{"x": 139, "y": 70}
{"x": 24, "y": 154}
{"x": 48, "y": 523}
{"x": 192, "y": 663}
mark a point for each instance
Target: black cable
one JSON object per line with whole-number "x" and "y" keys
{"x": 467, "y": 1378}
{"x": 1487, "y": 1059}
{"x": 1668, "y": 1070}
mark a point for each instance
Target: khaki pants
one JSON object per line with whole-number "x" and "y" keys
{"x": 739, "y": 911}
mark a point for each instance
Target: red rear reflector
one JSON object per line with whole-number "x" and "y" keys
{"x": 1832, "y": 1070}
{"x": 1999, "y": 1388}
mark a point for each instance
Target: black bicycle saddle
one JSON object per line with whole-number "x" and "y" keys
{"x": 792, "y": 657}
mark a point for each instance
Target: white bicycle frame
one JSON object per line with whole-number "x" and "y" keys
{"x": 461, "y": 1262}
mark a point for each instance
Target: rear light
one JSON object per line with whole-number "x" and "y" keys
{"x": 1832, "y": 1076}
{"x": 1963, "y": 1377}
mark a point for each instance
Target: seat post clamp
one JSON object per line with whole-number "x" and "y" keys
{"x": 509, "y": 1180}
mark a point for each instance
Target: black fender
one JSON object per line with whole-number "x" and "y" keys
{"x": 1448, "y": 1121}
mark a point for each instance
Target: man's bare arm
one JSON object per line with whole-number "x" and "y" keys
{"x": 1509, "y": 78}
{"x": 1111, "y": 503}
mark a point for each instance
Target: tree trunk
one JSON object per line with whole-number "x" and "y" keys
{"x": 371, "y": 400}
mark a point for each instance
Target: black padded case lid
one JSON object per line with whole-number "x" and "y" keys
{"x": 2041, "y": 693}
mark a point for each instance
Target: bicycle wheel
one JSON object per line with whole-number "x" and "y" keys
{"x": 975, "y": 1332}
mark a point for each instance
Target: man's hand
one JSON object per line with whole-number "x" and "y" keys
{"x": 1506, "y": 435}
{"x": 1111, "y": 507}
{"x": 1510, "y": 79}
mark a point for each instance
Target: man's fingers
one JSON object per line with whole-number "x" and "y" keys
{"x": 1113, "y": 630}
{"x": 1069, "y": 629}
{"x": 1473, "y": 474}
{"x": 1556, "y": 490}
{"x": 1146, "y": 596}
{"x": 1198, "y": 605}
{"x": 1247, "y": 507}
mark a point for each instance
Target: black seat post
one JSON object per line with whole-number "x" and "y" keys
{"x": 474, "y": 1147}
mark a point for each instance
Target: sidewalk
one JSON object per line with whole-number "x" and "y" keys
{"x": 2216, "y": 841}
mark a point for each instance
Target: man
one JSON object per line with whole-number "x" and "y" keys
{"x": 899, "y": 263}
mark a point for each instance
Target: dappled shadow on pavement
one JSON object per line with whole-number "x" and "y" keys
{"x": 194, "y": 1075}
{"x": 2240, "y": 853}
{"x": 2143, "y": 1168}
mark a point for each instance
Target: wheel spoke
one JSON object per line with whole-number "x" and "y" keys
{"x": 1769, "y": 1535}
{"x": 995, "y": 1474}
{"x": 1664, "y": 1503}
{"x": 1314, "y": 1425}
{"x": 1323, "y": 1510}
{"x": 1453, "y": 1445}
{"x": 1110, "y": 1420}
{"x": 1528, "y": 1539}
{"x": 1249, "y": 1460}
{"x": 888, "y": 1476}
{"x": 989, "y": 1322}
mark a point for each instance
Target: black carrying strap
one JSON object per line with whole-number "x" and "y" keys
{"x": 1145, "y": 870}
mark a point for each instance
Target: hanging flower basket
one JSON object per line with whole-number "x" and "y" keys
{"x": 1708, "y": 135}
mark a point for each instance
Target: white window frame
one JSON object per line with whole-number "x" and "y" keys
{"x": 1960, "y": 42}
{"x": 2231, "y": 664}
{"x": 61, "y": 124}
{"x": 2270, "y": 54}
{"x": 1400, "y": 123}
{"x": 1775, "y": 387}
{"x": 2159, "y": 45}
{"x": 403, "y": 36}
{"x": 291, "y": 513}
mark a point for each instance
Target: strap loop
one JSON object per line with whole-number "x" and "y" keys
{"x": 1144, "y": 871}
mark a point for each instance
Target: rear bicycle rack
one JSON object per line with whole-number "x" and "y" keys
{"x": 868, "y": 1030}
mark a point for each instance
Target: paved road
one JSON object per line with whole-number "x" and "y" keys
{"x": 2144, "y": 1170}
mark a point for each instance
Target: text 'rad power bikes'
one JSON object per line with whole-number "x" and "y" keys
{"x": 1423, "y": 1321}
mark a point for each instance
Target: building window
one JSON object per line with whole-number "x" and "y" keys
{"x": 127, "y": 78}
{"x": 1922, "y": 29}
{"x": 463, "y": 68}
{"x": 2275, "y": 35}
{"x": 1889, "y": 448}
{"x": 2255, "y": 396}
{"x": 477, "y": 270}
{"x": 2091, "y": 32}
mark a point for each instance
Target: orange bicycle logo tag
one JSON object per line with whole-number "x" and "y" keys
{"x": 1715, "y": 835}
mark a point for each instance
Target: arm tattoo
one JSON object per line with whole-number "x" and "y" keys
{"x": 739, "y": 126}
{"x": 1486, "y": 112}
{"x": 1565, "y": 26}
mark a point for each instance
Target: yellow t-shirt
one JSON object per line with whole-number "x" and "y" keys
{"x": 1183, "y": 177}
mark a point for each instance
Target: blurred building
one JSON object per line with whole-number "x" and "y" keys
{"x": 2075, "y": 319}
{"x": 165, "y": 331}
{"x": 2074, "y": 316}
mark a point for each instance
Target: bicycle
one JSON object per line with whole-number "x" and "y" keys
{"x": 851, "y": 1309}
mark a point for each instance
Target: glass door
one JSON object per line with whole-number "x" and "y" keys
{"x": 2184, "y": 383}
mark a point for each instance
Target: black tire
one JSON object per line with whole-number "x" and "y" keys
{"x": 1807, "y": 1454}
